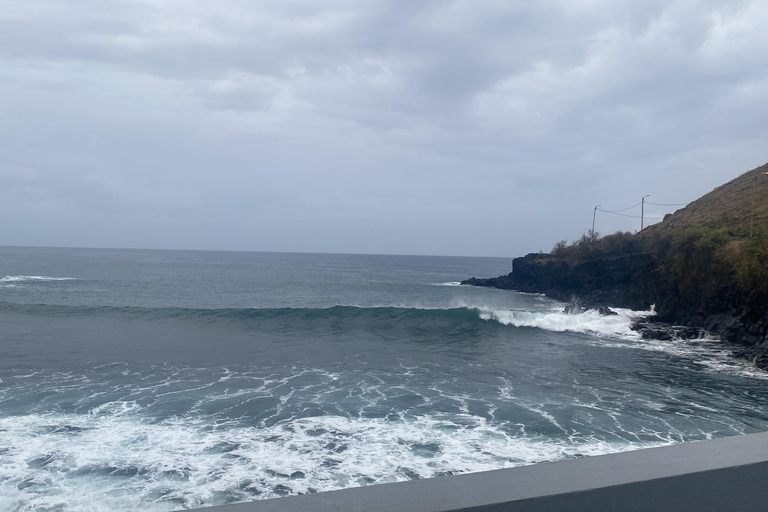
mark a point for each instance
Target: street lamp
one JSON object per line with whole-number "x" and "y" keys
{"x": 642, "y": 210}
{"x": 594, "y": 213}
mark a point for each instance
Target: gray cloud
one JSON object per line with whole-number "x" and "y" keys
{"x": 392, "y": 127}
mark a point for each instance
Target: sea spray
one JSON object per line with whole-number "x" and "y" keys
{"x": 559, "y": 321}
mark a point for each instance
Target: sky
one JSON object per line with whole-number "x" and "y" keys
{"x": 477, "y": 128}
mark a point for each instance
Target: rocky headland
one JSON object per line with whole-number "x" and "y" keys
{"x": 703, "y": 267}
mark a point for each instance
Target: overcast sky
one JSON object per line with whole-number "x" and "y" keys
{"x": 477, "y": 127}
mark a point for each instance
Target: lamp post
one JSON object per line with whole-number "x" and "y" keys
{"x": 642, "y": 210}
{"x": 752, "y": 215}
{"x": 594, "y": 213}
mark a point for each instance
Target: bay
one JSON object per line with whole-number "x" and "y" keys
{"x": 164, "y": 380}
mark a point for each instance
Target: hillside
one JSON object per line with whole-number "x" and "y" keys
{"x": 729, "y": 205}
{"x": 706, "y": 265}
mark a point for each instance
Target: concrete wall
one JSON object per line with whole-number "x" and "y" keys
{"x": 720, "y": 475}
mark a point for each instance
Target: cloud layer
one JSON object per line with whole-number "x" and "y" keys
{"x": 478, "y": 128}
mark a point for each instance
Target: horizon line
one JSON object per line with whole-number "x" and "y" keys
{"x": 245, "y": 251}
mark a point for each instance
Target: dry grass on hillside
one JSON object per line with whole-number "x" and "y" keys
{"x": 729, "y": 205}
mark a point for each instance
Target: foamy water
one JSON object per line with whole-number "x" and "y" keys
{"x": 556, "y": 320}
{"x": 27, "y": 279}
{"x": 121, "y": 461}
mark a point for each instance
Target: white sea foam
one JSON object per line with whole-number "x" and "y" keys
{"x": 122, "y": 461}
{"x": 710, "y": 353}
{"x": 556, "y": 320}
{"x": 30, "y": 279}
{"x": 450, "y": 283}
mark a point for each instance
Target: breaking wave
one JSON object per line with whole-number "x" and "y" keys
{"x": 33, "y": 279}
{"x": 556, "y": 320}
{"x": 551, "y": 320}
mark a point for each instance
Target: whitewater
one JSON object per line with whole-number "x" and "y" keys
{"x": 168, "y": 380}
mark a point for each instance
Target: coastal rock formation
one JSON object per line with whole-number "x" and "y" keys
{"x": 705, "y": 267}
{"x": 620, "y": 280}
{"x": 650, "y": 330}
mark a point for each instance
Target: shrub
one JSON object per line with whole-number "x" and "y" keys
{"x": 752, "y": 268}
{"x": 558, "y": 248}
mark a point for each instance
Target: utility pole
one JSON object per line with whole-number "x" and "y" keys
{"x": 752, "y": 215}
{"x": 642, "y": 210}
{"x": 594, "y": 213}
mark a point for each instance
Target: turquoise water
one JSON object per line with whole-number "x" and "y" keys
{"x": 163, "y": 380}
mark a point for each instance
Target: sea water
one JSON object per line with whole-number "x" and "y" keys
{"x": 164, "y": 380}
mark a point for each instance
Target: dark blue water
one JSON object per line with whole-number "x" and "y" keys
{"x": 163, "y": 380}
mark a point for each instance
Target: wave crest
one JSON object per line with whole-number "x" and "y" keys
{"x": 33, "y": 279}
{"x": 556, "y": 320}
{"x": 551, "y": 320}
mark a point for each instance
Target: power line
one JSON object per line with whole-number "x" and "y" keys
{"x": 622, "y": 210}
{"x": 641, "y": 217}
{"x": 630, "y": 216}
{"x": 638, "y": 204}
{"x": 666, "y": 204}
{"x": 621, "y": 214}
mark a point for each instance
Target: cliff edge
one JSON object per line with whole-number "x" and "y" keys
{"x": 706, "y": 265}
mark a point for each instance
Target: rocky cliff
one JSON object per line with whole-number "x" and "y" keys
{"x": 621, "y": 280}
{"x": 706, "y": 265}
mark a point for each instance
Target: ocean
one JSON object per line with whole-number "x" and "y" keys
{"x": 165, "y": 380}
